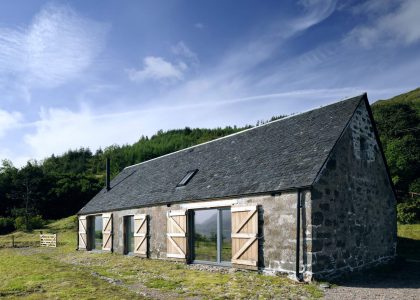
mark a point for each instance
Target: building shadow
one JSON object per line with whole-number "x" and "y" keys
{"x": 403, "y": 273}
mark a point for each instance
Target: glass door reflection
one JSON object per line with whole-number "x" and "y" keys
{"x": 205, "y": 235}
{"x": 226, "y": 240}
{"x": 212, "y": 240}
{"x": 129, "y": 234}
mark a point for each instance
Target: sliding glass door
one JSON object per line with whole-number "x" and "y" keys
{"x": 211, "y": 241}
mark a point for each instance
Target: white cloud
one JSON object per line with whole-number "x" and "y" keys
{"x": 61, "y": 129}
{"x": 371, "y": 7}
{"x": 8, "y": 120}
{"x": 157, "y": 68}
{"x": 57, "y": 46}
{"x": 396, "y": 27}
{"x": 316, "y": 12}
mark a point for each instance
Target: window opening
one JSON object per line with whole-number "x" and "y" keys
{"x": 187, "y": 178}
{"x": 363, "y": 149}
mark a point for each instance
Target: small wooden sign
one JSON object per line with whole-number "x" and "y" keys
{"x": 48, "y": 240}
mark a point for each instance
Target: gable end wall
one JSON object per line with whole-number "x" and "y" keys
{"x": 353, "y": 204}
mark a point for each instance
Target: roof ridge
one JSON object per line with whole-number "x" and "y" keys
{"x": 246, "y": 130}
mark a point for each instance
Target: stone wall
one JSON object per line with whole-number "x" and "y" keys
{"x": 157, "y": 229}
{"x": 278, "y": 232}
{"x": 277, "y": 226}
{"x": 353, "y": 205}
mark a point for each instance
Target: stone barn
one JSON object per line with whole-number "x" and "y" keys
{"x": 309, "y": 195}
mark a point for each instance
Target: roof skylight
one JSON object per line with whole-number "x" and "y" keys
{"x": 187, "y": 178}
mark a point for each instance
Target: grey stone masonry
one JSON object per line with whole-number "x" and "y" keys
{"x": 353, "y": 204}
{"x": 278, "y": 232}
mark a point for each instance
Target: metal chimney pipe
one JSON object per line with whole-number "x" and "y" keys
{"x": 108, "y": 174}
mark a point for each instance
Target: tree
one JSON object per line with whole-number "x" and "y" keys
{"x": 7, "y": 175}
{"x": 27, "y": 191}
{"x": 400, "y": 136}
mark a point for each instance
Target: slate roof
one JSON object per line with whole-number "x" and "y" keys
{"x": 280, "y": 155}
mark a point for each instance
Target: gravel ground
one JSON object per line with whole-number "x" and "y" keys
{"x": 400, "y": 282}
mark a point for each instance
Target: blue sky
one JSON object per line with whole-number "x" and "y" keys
{"x": 97, "y": 73}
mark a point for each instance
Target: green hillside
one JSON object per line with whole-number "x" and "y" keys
{"x": 411, "y": 98}
{"x": 398, "y": 122}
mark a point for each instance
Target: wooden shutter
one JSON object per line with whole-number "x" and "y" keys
{"x": 82, "y": 245}
{"x": 176, "y": 234}
{"x": 140, "y": 235}
{"x": 107, "y": 232}
{"x": 244, "y": 235}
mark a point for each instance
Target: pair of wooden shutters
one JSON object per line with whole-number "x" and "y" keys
{"x": 244, "y": 235}
{"x": 140, "y": 233}
{"x": 106, "y": 232}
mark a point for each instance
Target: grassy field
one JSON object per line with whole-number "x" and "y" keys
{"x": 63, "y": 273}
